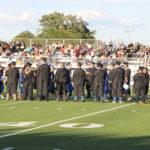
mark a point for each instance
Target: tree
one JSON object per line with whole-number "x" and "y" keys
{"x": 57, "y": 25}
{"x": 25, "y": 34}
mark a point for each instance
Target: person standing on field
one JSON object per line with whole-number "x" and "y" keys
{"x": 79, "y": 77}
{"x": 28, "y": 82}
{"x": 117, "y": 83}
{"x": 89, "y": 81}
{"x": 140, "y": 83}
{"x": 12, "y": 81}
{"x": 145, "y": 71}
{"x": 99, "y": 77}
{"x": 43, "y": 80}
{"x": 61, "y": 80}
{"x": 127, "y": 80}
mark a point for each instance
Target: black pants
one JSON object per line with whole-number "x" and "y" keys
{"x": 61, "y": 88}
{"x": 42, "y": 89}
{"x": 27, "y": 91}
{"x": 11, "y": 88}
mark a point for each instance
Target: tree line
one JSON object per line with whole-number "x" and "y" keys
{"x": 59, "y": 25}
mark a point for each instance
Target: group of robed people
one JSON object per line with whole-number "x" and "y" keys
{"x": 95, "y": 79}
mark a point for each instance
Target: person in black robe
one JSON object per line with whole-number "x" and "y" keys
{"x": 61, "y": 80}
{"x": 117, "y": 83}
{"x": 112, "y": 66}
{"x": 79, "y": 77}
{"x": 28, "y": 82}
{"x": 140, "y": 83}
{"x": 99, "y": 77}
{"x": 12, "y": 81}
{"x": 43, "y": 80}
{"x": 89, "y": 81}
{"x": 127, "y": 80}
{"x": 145, "y": 71}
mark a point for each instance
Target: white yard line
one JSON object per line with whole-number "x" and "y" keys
{"x": 62, "y": 121}
{"x": 13, "y": 103}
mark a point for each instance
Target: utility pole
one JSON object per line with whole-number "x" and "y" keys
{"x": 128, "y": 33}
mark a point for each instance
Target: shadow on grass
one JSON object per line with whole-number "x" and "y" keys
{"x": 55, "y": 140}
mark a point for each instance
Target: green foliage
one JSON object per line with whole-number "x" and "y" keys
{"x": 25, "y": 34}
{"x": 57, "y": 25}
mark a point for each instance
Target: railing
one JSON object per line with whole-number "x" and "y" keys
{"x": 21, "y": 60}
{"x": 28, "y": 42}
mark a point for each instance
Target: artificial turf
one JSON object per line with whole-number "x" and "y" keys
{"x": 126, "y": 128}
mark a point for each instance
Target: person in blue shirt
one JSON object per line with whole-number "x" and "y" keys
{"x": 1, "y": 83}
{"x": 51, "y": 84}
{"x": 69, "y": 86}
{"x": 20, "y": 82}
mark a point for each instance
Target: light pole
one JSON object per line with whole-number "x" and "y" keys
{"x": 128, "y": 33}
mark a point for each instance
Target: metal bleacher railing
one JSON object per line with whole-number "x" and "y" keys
{"x": 43, "y": 42}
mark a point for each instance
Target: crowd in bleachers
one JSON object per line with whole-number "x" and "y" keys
{"x": 110, "y": 50}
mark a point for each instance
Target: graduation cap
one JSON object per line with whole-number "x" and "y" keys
{"x": 28, "y": 64}
{"x": 141, "y": 68}
{"x": 13, "y": 63}
{"x": 79, "y": 64}
{"x": 118, "y": 63}
{"x": 125, "y": 63}
{"x": 68, "y": 64}
{"x": 44, "y": 59}
{"x": 100, "y": 65}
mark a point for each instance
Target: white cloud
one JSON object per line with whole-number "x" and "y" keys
{"x": 89, "y": 15}
{"x": 24, "y": 18}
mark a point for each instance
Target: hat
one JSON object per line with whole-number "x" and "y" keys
{"x": 141, "y": 68}
{"x": 68, "y": 64}
{"x": 44, "y": 59}
{"x": 29, "y": 64}
{"x": 118, "y": 63}
{"x": 13, "y": 63}
{"x": 79, "y": 64}
{"x": 100, "y": 65}
{"x": 125, "y": 63}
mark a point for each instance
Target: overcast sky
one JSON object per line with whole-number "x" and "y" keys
{"x": 110, "y": 18}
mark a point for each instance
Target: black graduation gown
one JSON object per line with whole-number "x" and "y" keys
{"x": 99, "y": 77}
{"x": 28, "y": 85}
{"x": 43, "y": 80}
{"x": 12, "y": 81}
{"x": 61, "y": 79}
{"x": 79, "y": 77}
{"x": 117, "y": 82}
{"x": 89, "y": 79}
{"x": 140, "y": 82}
{"x": 147, "y": 85}
{"x": 110, "y": 79}
{"x": 127, "y": 75}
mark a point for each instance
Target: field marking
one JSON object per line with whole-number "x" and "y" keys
{"x": 8, "y": 148}
{"x": 87, "y": 125}
{"x": 13, "y": 103}
{"x": 62, "y": 121}
{"x": 17, "y": 124}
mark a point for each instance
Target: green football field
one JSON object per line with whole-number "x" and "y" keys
{"x": 52, "y": 125}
